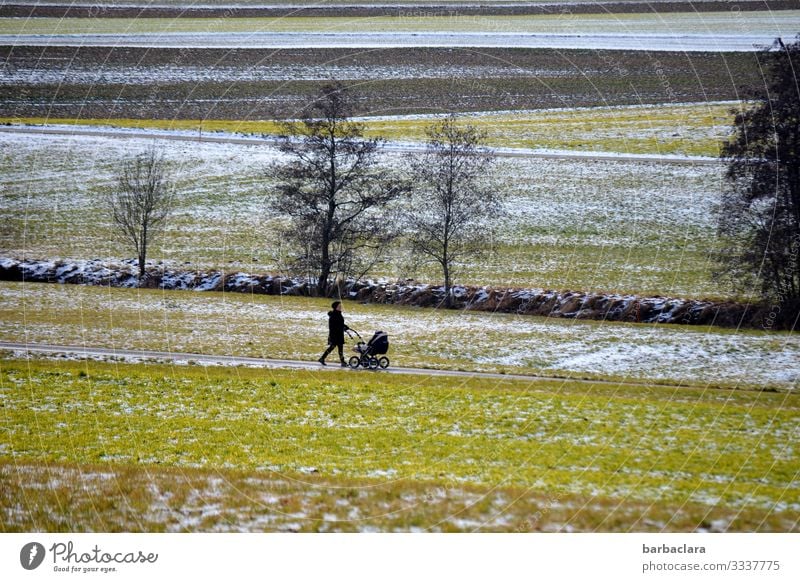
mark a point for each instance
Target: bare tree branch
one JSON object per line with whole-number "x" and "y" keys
{"x": 141, "y": 201}
{"x": 455, "y": 198}
{"x": 332, "y": 189}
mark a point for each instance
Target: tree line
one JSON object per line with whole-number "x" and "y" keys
{"x": 336, "y": 193}
{"x": 342, "y": 201}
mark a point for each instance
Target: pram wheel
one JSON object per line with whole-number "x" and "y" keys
{"x": 355, "y": 361}
{"x": 373, "y": 363}
{"x": 383, "y": 362}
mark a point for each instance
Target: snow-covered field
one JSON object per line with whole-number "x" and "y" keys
{"x": 257, "y": 502}
{"x": 608, "y": 202}
{"x": 691, "y": 31}
{"x": 238, "y": 324}
{"x": 70, "y": 73}
{"x": 52, "y": 185}
{"x": 287, "y": 40}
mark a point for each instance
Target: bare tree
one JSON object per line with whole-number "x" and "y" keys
{"x": 140, "y": 201}
{"x": 455, "y": 199}
{"x": 332, "y": 188}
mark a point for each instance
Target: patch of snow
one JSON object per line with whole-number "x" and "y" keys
{"x": 684, "y": 42}
{"x": 382, "y": 473}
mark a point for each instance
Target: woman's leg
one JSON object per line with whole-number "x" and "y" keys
{"x": 327, "y": 352}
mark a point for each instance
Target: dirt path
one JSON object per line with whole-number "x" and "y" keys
{"x": 651, "y": 40}
{"x": 87, "y": 351}
{"x": 389, "y": 147}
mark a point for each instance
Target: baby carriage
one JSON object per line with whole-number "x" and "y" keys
{"x": 371, "y": 354}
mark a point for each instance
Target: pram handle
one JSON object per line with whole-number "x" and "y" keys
{"x": 348, "y": 330}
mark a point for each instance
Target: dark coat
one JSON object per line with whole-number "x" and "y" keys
{"x": 336, "y": 328}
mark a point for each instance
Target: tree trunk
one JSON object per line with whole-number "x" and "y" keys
{"x": 322, "y": 282}
{"x": 143, "y": 251}
{"x": 325, "y": 267}
{"x": 446, "y": 254}
{"x": 447, "y": 283}
{"x": 325, "y": 262}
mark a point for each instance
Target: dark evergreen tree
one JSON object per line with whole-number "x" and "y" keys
{"x": 759, "y": 218}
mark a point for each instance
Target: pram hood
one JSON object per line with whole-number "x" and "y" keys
{"x": 379, "y": 343}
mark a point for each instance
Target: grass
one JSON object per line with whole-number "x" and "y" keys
{"x": 666, "y": 129}
{"x": 41, "y": 496}
{"x": 606, "y": 226}
{"x": 158, "y": 447}
{"x": 266, "y": 127}
{"x": 688, "y": 22}
{"x": 295, "y": 328}
{"x": 563, "y": 248}
{"x": 692, "y": 129}
{"x": 645, "y": 228}
{"x": 669, "y": 267}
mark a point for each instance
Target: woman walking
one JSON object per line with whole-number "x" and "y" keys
{"x": 336, "y": 329}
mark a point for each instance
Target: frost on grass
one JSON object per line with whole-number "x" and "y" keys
{"x": 52, "y": 497}
{"x": 609, "y": 225}
{"x": 723, "y": 449}
{"x": 246, "y": 325}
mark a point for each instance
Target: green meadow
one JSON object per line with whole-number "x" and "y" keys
{"x": 176, "y": 448}
{"x": 690, "y": 129}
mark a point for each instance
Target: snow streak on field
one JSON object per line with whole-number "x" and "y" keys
{"x": 287, "y": 40}
{"x": 718, "y": 31}
{"x": 70, "y": 73}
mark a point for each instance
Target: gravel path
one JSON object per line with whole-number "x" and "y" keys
{"x": 86, "y": 351}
